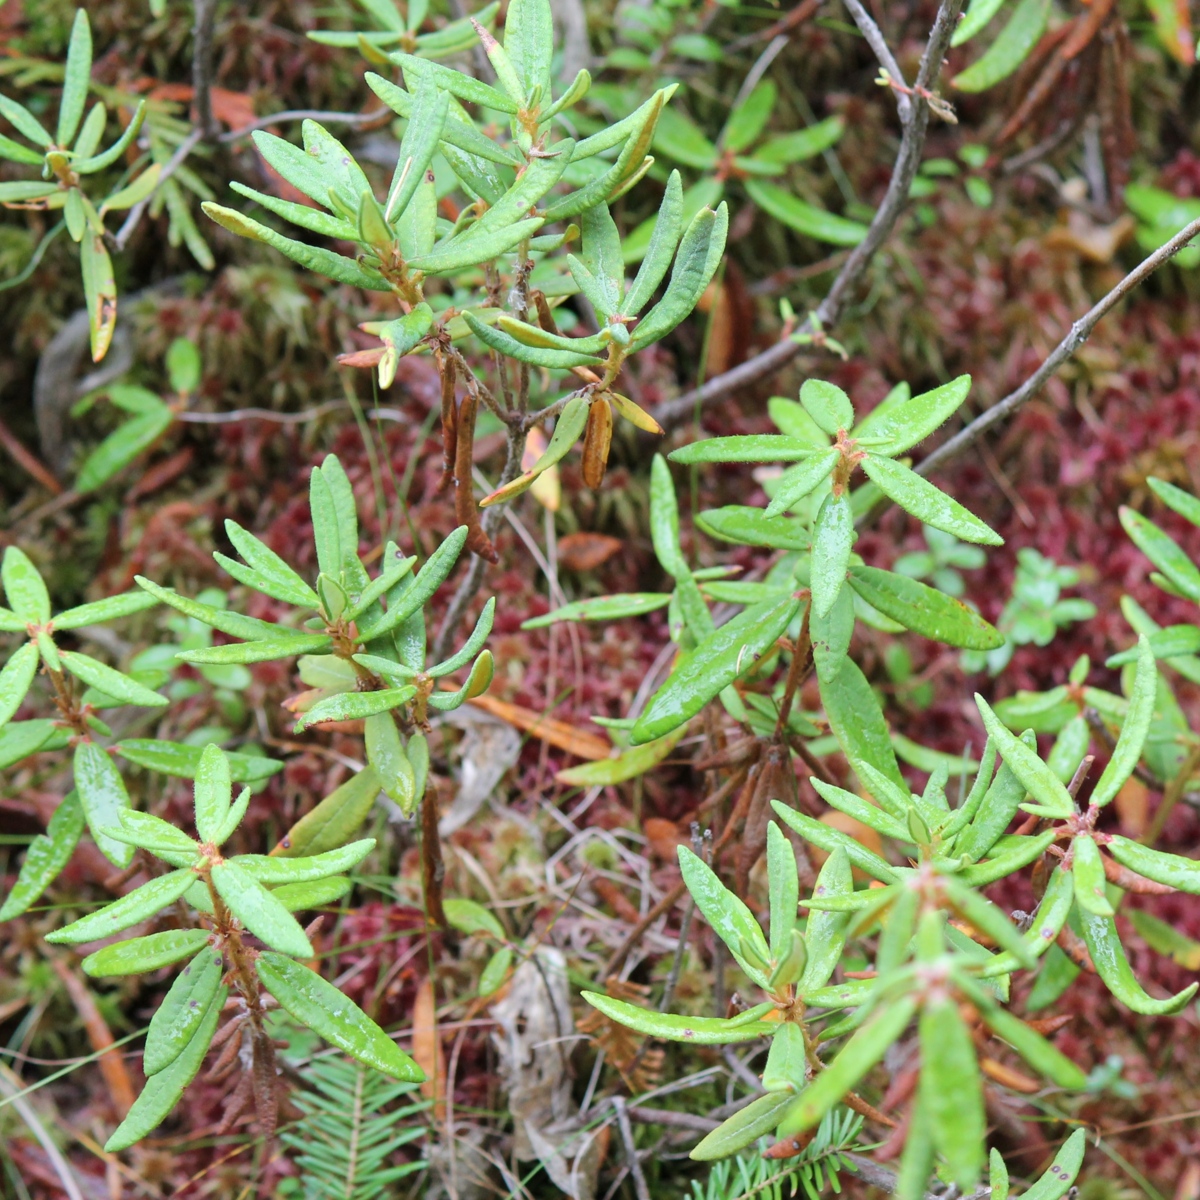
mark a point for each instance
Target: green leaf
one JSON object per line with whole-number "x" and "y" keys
{"x": 567, "y": 429}
{"x": 334, "y": 820}
{"x": 833, "y": 540}
{"x": 828, "y": 405}
{"x": 76, "y": 79}
{"x": 430, "y": 110}
{"x": 807, "y": 143}
{"x": 700, "y": 1031}
{"x": 103, "y": 796}
{"x": 979, "y": 13}
{"x": 106, "y": 158}
{"x": 25, "y": 122}
{"x": 856, "y": 719}
{"x": 494, "y": 972}
{"x": 926, "y": 502}
{"x": 529, "y": 43}
{"x": 1108, "y": 957}
{"x": 335, "y": 1017}
{"x": 923, "y": 609}
{"x": 183, "y": 761}
{"x": 804, "y": 218}
{"x": 137, "y": 906}
{"x": 745, "y": 1127}
{"x": 1172, "y": 869}
{"x": 1040, "y": 1054}
{"x": 911, "y": 422}
{"x": 602, "y": 608}
{"x": 478, "y": 682}
{"x": 825, "y": 932}
{"x": 862, "y": 810}
{"x": 214, "y": 792}
{"x": 271, "y": 869}
{"x": 754, "y": 447}
{"x": 997, "y": 1171}
{"x": 99, "y": 611}
{"x": 152, "y": 833}
{"x": 1000, "y": 803}
{"x": 857, "y": 1057}
{"x": 1173, "y": 642}
{"x": 629, "y": 764}
{"x": 139, "y": 955}
{"x": 299, "y": 897}
{"x": 538, "y": 356}
{"x": 988, "y": 918}
{"x": 16, "y": 679}
{"x": 195, "y": 990}
{"x": 1185, "y": 504}
{"x": 22, "y": 738}
{"x": 714, "y": 664}
{"x": 399, "y": 337}
{"x": 471, "y": 646}
{"x": 386, "y": 753}
{"x": 1088, "y": 874}
{"x": 1014, "y": 853}
{"x": 48, "y": 853}
{"x": 352, "y": 706}
{"x": 1134, "y": 730}
{"x": 314, "y": 258}
{"x": 268, "y": 568}
{"x": 470, "y": 251}
{"x": 951, "y": 1091}
{"x": 729, "y": 917}
{"x": 133, "y": 193}
{"x": 100, "y": 293}
{"x": 24, "y": 587}
{"x": 234, "y": 624}
{"x": 1165, "y": 553}
{"x": 111, "y": 683}
{"x": 1057, "y": 1181}
{"x": 259, "y": 911}
{"x": 263, "y": 650}
{"x": 787, "y": 1060}
{"x": 343, "y": 176}
{"x": 15, "y": 152}
{"x": 601, "y": 255}
{"x": 163, "y": 1089}
{"x": 696, "y": 262}
{"x": 1009, "y": 50}
{"x": 420, "y": 589}
{"x": 747, "y": 526}
{"x": 783, "y": 888}
{"x": 469, "y": 917}
{"x": 1038, "y": 779}
{"x": 800, "y": 480}
{"x": 668, "y": 226}
{"x": 1051, "y": 916}
{"x": 749, "y": 118}
{"x": 26, "y": 190}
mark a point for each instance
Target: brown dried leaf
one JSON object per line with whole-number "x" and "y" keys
{"x": 587, "y": 551}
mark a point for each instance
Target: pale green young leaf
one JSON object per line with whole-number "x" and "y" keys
{"x": 1038, "y": 779}
{"x": 629, "y": 764}
{"x": 478, "y": 682}
{"x": 25, "y": 122}
{"x": 911, "y": 422}
{"x": 110, "y": 609}
{"x": 317, "y": 1004}
{"x": 138, "y": 905}
{"x": 387, "y": 755}
{"x": 183, "y": 761}
{"x": 260, "y": 912}
{"x": 833, "y": 540}
{"x": 952, "y": 1092}
{"x": 799, "y": 481}
{"x": 76, "y": 79}
{"x": 106, "y": 158}
{"x": 1009, "y": 50}
{"x": 1164, "y": 552}
{"x": 471, "y": 646}
{"x": 420, "y": 589}
{"x": 668, "y": 227}
{"x": 746, "y": 1126}
{"x": 285, "y": 583}
{"x": 1088, "y": 873}
{"x": 354, "y": 706}
{"x": 529, "y": 43}
{"x": 827, "y": 404}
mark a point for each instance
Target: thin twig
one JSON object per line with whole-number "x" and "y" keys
{"x": 1078, "y": 334}
{"x": 882, "y": 51}
{"x": 830, "y": 310}
{"x": 172, "y": 165}
{"x": 202, "y": 67}
{"x": 669, "y": 1116}
{"x": 635, "y": 1167}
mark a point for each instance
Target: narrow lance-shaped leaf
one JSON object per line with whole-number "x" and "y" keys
{"x": 285, "y": 583}
{"x": 1174, "y": 870}
{"x": 731, "y": 920}
{"x": 856, "y": 719}
{"x": 825, "y": 932}
{"x": 951, "y": 1091}
{"x": 538, "y": 356}
{"x": 567, "y": 429}
{"x": 926, "y": 502}
{"x": 914, "y": 420}
{"x": 76, "y": 79}
{"x": 48, "y": 853}
{"x": 1134, "y": 731}
{"x": 713, "y": 665}
{"x": 700, "y": 1031}
{"x": 103, "y": 796}
{"x": 152, "y": 833}
{"x": 272, "y": 869}
{"x": 667, "y": 229}
{"x": 801, "y": 480}
{"x": 1088, "y": 873}
{"x": 805, "y": 218}
{"x": 99, "y": 611}
{"x": 24, "y": 586}
{"x": 1061, "y": 1174}
{"x": 746, "y": 1126}
{"x": 857, "y": 1057}
{"x": 1053, "y": 800}
{"x": 314, "y": 1002}
{"x": 259, "y": 911}
{"x": 15, "y": 680}
{"x": 162, "y": 1091}
{"x": 833, "y": 540}
{"x": 419, "y": 590}
{"x": 1108, "y": 957}
{"x": 602, "y": 608}
{"x": 354, "y": 706}
{"x": 182, "y": 1010}
{"x": 784, "y": 888}
{"x": 112, "y": 683}
{"x": 100, "y": 293}
{"x": 1009, "y": 50}
{"x": 138, "y": 905}
{"x": 213, "y": 792}
{"x": 138, "y": 955}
